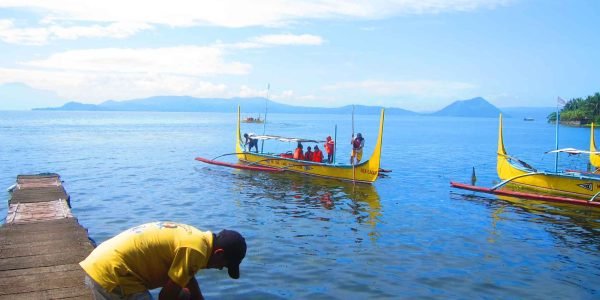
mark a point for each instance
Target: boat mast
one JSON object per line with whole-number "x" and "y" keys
{"x": 559, "y": 101}
{"x": 353, "y": 158}
{"x": 262, "y": 144}
{"x": 334, "y": 144}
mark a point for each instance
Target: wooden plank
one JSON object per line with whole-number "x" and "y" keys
{"x": 14, "y": 238}
{"x": 41, "y": 282}
{"x": 62, "y": 293}
{"x": 45, "y": 260}
{"x": 43, "y": 244}
{"x": 38, "y": 270}
{"x": 50, "y": 248}
{"x": 43, "y": 194}
{"x": 51, "y": 225}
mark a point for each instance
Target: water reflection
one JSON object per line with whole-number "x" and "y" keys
{"x": 567, "y": 221}
{"x": 302, "y": 196}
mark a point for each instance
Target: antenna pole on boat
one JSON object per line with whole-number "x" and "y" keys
{"x": 262, "y": 144}
{"x": 353, "y": 158}
{"x": 334, "y": 143}
{"x": 556, "y": 133}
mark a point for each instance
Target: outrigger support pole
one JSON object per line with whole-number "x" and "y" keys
{"x": 499, "y": 185}
{"x": 594, "y": 197}
{"x": 234, "y": 153}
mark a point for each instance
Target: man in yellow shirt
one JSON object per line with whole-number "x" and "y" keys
{"x": 160, "y": 254}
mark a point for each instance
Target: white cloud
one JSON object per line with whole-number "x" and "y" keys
{"x": 288, "y": 39}
{"x": 124, "y": 73}
{"x": 42, "y": 35}
{"x": 238, "y": 13}
{"x": 412, "y": 88}
{"x": 97, "y": 87}
{"x": 183, "y": 60}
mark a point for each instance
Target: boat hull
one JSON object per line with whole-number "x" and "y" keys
{"x": 364, "y": 172}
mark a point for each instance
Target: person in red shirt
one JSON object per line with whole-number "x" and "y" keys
{"x": 299, "y": 153}
{"x": 308, "y": 155}
{"x": 329, "y": 148}
{"x": 317, "y": 156}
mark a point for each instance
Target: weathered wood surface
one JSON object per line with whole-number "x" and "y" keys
{"x": 41, "y": 243}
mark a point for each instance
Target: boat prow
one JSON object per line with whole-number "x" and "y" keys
{"x": 594, "y": 156}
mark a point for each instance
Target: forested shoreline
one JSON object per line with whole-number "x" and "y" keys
{"x": 579, "y": 111}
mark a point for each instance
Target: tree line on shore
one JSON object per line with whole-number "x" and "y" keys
{"x": 579, "y": 110}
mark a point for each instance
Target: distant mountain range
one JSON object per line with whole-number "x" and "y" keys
{"x": 476, "y": 107}
{"x": 191, "y": 104}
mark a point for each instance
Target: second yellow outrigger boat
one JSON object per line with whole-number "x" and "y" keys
{"x": 568, "y": 183}
{"x": 568, "y": 187}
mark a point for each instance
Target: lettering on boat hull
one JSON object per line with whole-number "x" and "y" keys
{"x": 588, "y": 186}
{"x": 368, "y": 171}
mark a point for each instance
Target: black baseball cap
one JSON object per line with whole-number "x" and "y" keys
{"x": 234, "y": 245}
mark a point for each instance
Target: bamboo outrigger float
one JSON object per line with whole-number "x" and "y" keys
{"x": 568, "y": 187}
{"x": 365, "y": 172}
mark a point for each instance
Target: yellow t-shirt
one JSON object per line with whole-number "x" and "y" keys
{"x": 146, "y": 256}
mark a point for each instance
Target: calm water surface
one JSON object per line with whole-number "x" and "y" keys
{"x": 406, "y": 236}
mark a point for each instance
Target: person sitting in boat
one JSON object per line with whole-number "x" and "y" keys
{"x": 317, "y": 155}
{"x": 251, "y": 143}
{"x": 329, "y": 145}
{"x": 299, "y": 153}
{"x": 309, "y": 154}
{"x": 358, "y": 144}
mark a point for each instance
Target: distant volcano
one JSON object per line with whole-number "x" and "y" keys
{"x": 476, "y": 107}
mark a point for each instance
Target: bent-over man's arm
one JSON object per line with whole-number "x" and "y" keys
{"x": 172, "y": 290}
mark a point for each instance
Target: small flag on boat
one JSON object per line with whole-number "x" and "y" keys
{"x": 560, "y": 102}
{"x": 473, "y": 177}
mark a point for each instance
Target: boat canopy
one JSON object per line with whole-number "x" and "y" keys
{"x": 572, "y": 151}
{"x": 283, "y": 139}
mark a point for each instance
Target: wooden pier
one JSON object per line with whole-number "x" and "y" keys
{"x": 42, "y": 243}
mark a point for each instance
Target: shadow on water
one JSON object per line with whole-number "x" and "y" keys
{"x": 568, "y": 220}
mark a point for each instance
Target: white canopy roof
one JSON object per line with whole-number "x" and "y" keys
{"x": 572, "y": 151}
{"x": 283, "y": 139}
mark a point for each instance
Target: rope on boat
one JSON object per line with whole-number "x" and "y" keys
{"x": 524, "y": 164}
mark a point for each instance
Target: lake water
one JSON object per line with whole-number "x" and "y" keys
{"x": 408, "y": 235}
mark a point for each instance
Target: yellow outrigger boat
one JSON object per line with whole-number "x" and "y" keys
{"x": 567, "y": 187}
{"x": 365, "y": 172}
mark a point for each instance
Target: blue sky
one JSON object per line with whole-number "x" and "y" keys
{"x": 419, "y": 55}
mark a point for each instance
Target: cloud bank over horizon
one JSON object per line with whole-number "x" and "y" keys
{"x": 418, "y": 55}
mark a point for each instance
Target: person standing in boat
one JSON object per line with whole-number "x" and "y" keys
{"x": 358, "y": 144}
{"x": 317, "y": 155}
{"x": 329, "y": 148}
{"x": 309, "y": 154}
{"x": 160, "y": 254}
{"x": 299, "y": 153}
{"x": 251, "y": 143}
